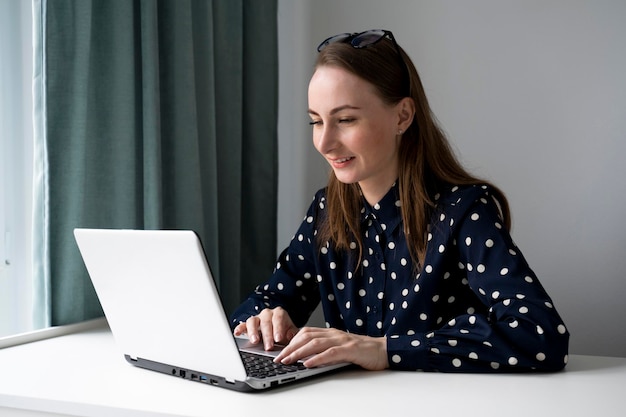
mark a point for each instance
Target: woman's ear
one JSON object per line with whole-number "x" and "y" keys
{"x": 406, "y": 113}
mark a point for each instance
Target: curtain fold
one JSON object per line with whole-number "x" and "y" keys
{"x": 160, "y": 115}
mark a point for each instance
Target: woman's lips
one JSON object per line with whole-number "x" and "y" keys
{"x": 341, "y": 162}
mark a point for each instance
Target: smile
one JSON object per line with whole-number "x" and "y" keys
{"x": 342, "y": 160}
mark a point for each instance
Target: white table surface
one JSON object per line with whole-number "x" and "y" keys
{"x": 83, "y": 374}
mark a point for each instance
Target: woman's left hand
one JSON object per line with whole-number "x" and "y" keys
{"x": 329, "y": 346}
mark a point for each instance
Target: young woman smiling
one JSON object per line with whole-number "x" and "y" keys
{"x": 410, "y": 255}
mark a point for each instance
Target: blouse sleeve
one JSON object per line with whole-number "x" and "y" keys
{"x": 520, "y": 329}
{"x": 292, "y": 285}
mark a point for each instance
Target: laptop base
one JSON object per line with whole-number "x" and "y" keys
{"x": 189, "y": 374}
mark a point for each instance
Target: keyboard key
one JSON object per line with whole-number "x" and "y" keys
{"x": 260, "y": 366}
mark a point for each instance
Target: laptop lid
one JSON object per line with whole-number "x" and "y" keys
{"x": 163, "y": 307}
{"x": 159, "y": 298}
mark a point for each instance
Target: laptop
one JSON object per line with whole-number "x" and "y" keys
{"x": 163, "y": 307}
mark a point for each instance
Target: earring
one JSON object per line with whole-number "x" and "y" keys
{"x": 400, "y": 132}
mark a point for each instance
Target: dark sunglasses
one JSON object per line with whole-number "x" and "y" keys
{"x": 369, "y": 38}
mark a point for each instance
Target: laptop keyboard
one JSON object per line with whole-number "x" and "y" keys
{"x": 259, "y": 366}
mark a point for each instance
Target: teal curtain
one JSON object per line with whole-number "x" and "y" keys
{"x": 156, "y": 115}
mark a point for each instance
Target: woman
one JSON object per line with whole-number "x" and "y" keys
{"x": 409, "y": 254}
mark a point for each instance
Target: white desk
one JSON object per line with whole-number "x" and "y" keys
{"x": 83, "y": 374}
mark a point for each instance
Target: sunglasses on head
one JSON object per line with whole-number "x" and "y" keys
{"x": 368, "y": 38}
{"x": 359, "y": 40}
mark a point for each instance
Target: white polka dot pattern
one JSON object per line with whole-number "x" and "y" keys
{"x": 475, "y": 306}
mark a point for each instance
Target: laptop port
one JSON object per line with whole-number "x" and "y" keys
{"x": 182, "y": 373}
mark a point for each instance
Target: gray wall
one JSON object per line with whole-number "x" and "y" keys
{"x": 533, "y": 96}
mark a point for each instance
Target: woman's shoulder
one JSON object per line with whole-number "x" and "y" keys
{"x": 456, "y": 195}
{"x": 320, "y": 194}
{"x": 461, "y": 198}
{"x": 319, "y": 198}
{"x": 318, "y": 203}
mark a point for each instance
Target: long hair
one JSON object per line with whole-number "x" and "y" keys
{"x": 426, "y": 160}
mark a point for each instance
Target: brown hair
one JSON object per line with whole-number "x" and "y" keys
{"x": 426, "y": 160}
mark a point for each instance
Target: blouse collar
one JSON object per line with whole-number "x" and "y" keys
{"x": 386, "y": 213}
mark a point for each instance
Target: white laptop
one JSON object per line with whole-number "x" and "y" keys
{"x": 164, "y": 310}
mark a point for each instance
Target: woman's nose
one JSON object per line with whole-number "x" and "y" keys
{"x": 324, "y": 139}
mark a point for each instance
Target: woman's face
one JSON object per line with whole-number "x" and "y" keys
{"x": 355, "y": 130}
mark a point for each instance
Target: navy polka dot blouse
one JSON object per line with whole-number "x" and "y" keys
{"x": 475, "y": 306}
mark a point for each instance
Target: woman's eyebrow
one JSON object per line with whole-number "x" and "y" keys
{"x": 337, "y": 109}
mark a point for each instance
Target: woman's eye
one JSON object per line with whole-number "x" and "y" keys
{"x": 346, "y": 120}
{"x": 315, "y": 122}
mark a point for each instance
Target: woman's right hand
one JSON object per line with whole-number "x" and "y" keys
{"x": 270, "y": 326}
